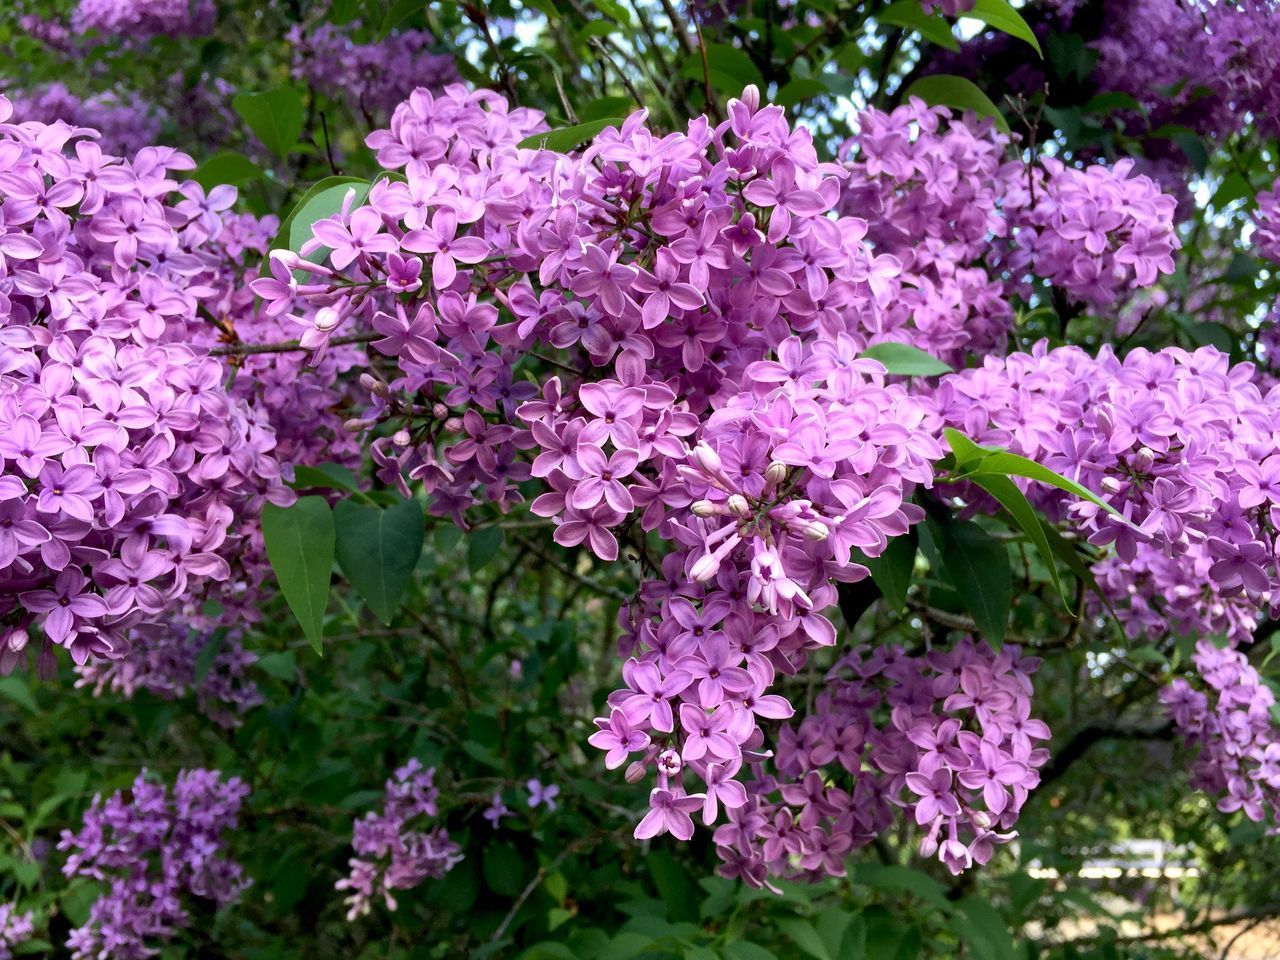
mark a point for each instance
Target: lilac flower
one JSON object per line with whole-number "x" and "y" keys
{"x": 668, "y": 813}
{"x": 544, "y": 796}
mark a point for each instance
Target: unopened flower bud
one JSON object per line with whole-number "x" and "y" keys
{"x": 706, "y": 568}
{"x": 1112, "y": 484}
{"x": 738, "y": 505}
{"x": 356, "y": 425}
{"x": 440, "y": 411}
{"x": 816, "y": 531}
{"x": 17, "y": 639}
{"x": 401, "y": 438}
{"x": 374, "y": 385}
{"x": 706, "y": 458}
{"x": 669, "y": 763}
{"x": 776, "y": 473}
{"x": 1144, "y": 458}
{"x": 635, "y": 772}
{"x": 703, "y": 508}
{"x": 453, "y": 424}
{"x": 287, "y": 259}
{"x": 327, "y": 319}
{"x": 981, "y": 819}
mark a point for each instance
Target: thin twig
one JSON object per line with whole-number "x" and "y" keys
{"x": 289, "y": 346}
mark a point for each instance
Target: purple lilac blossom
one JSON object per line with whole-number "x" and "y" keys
{"x": 154, "y": 850}
{"x": 398, "y": 849}
{"x": 15, "y": 929}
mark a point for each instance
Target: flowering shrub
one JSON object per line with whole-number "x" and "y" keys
{"x": 663, "y": 467}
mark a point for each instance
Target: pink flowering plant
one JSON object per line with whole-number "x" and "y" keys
{"x": 716, "y": 479}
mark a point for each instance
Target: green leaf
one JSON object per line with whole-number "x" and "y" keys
{"x": 964, "y": 450}
{"x": 977, "y": 566}
{"x": 282, "y": 665}
{"x": 1233, "y": 187}
{"x": 324, "y": 199}
{"x": 728, "y": 68}
{"x": 16, "y": 690}
{"x": 1012, "y": 464}
{"x": 801, "y": 88}
{"x": 999, "y": 14}
{"x": 300, "y": 545}
{"x": 377, "y": 550}
{"x": 983, "y": 930}
{"x": 226, "y": 167}
{"x": 564, "y": 139}
{"x": 1189, "y": 142}
{"x": 274, "y": 116}
{"x": 896, "y": 879}
{"x": 902, "y": 359}
{"x": 741, "y": 950}
{"x": 397, "y": 13}
{"x": 482, "y": 546}
{"x": 1111, "y": 102}
{"x": 892, "y": 570}
{"x": 1014, "y": 500}
{"x": 806, "y": 938}
{"x": 932, "y": 26}
{"x": 605, "y": 107}
{"x": 950, "y": 91}
{"x": 327, "y": 476}
{"x": 504, "y": 869}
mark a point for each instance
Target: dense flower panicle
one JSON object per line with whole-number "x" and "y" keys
{"x": 948, "y": 737}
{"x": 971, "y": 227}
{"x": 138, "y": 20}
{"x": 398, "y": 849}
{"x": 153, "y": 849}
{"x": 15, "y": 929}
{"x": 130, "y": 477}
{"x": 1231, "y": 724}
{"x": 371, "y": 77}
{"x": 708, "y": 312}
{"x": 124, "y": 122}
{"x": 1180, "y": 444}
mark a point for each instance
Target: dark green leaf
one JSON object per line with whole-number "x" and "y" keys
{"x": 801, "y": 88}
{"x": 741, "y": 950}
{"x": 377, "y": 550}
{"x": 282, "y": 665}
{"x": 208, "y": 653}
{"x": 17, "y": 690}
{"x": 806, "y": 938}
{"x": 300, "y": 545}
{"x": 999, "y": 14}
{"x": 482, "y": 546}
{"x": 983, "y": 930}
{"x": 977, "y": 566}
{"x": 902, "y": 359}
{"x": 504, "y": 869}
{"x": 894, "y": 879}
{"x": 1014, "y": 500}
{"x": 566, "y": 138}
{"x": 274, "y": 116}
{"x": 728, "y": 68}
{"x": 932, "y": 26}
{"x": 226, "y": 167}
{"x": 1233, "y": 187}
{"x": 326, "y": 476}
{"x": 949, "y": 91}
{"x": 892, "y": 570}
{"x": 605, "y": 108}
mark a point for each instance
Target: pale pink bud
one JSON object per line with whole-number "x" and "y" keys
{"x": 816, "y": 531}
{"x": 738, "y": 505}
{"x": 327, "y": 319}
{"x": 776, "y": 473}
{"x": 706, "y": 458}
{"x": 704, "y": 508}
{"x": 706, "y": 568}
{"x": 287, "y": 259}
{"x": 401, "y": 438}
{"x": 635, "y": 772}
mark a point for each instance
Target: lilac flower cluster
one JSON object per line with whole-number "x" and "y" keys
{"x": 1180, "y": 444}
{"x": 130, "y": 475}
{"x": 1098, "y": 233}
{"x": 395, "y": 849}
{"x": 15, "y": 929}
{"x": 1266, "y": 223}
{"x": 155, "y": 849}
{"x": 1232, "y": 726}
{"x": 124, "y": 122}
{"x": 165, "y": 661}
{"x": 371, "y": 77}
{"x": 707, "y": 311}
{"x": 143, "y": 19}
{"x": 947, "y": 736}
{"x": 970, "y": 226}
